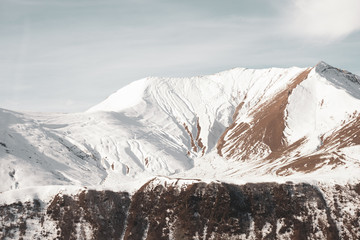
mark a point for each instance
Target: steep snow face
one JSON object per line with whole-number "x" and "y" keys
{"x": 320, "y": 104}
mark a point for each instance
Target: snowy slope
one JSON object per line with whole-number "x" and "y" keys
{"x": 309, "y": 130}
{"x": 239, "y": 125}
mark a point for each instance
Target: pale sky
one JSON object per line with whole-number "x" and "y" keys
{"x": 66, "y": 56}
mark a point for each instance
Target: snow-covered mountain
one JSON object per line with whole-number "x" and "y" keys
{"x": 237, "y": 126}
{"x": 234, "y": 124}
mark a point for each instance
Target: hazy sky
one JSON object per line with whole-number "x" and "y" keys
{"x": 62, "y": 55}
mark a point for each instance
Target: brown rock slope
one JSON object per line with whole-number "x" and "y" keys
{"x": 264, "y": 133}
{"x": 329, "y": 153}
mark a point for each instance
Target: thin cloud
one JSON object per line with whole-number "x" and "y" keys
{"x": 323, "y": 20}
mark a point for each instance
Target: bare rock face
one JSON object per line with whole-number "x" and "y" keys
{"x": 88, "y": 215}
{"x": 102, "y": 212}
{"x": 192, "y": 211}
{"x": 223, "y": 211}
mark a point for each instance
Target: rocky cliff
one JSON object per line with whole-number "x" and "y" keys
{"x": 178, "y": 209}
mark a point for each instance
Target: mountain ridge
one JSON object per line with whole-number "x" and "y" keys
{"x": 212, "y": 127}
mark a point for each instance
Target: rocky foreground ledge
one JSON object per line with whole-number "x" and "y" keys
{"x": 195, "y": 210}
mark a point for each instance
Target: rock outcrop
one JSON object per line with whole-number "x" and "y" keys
{"x": 195, "y": 210}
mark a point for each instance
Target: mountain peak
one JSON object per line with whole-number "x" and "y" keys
{"x": 340, "y": 78}
{"x": 322, "y": 64}
{"x": 326, "y": 70}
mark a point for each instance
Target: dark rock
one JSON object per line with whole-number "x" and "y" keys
{"x": 198, "y": 210}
